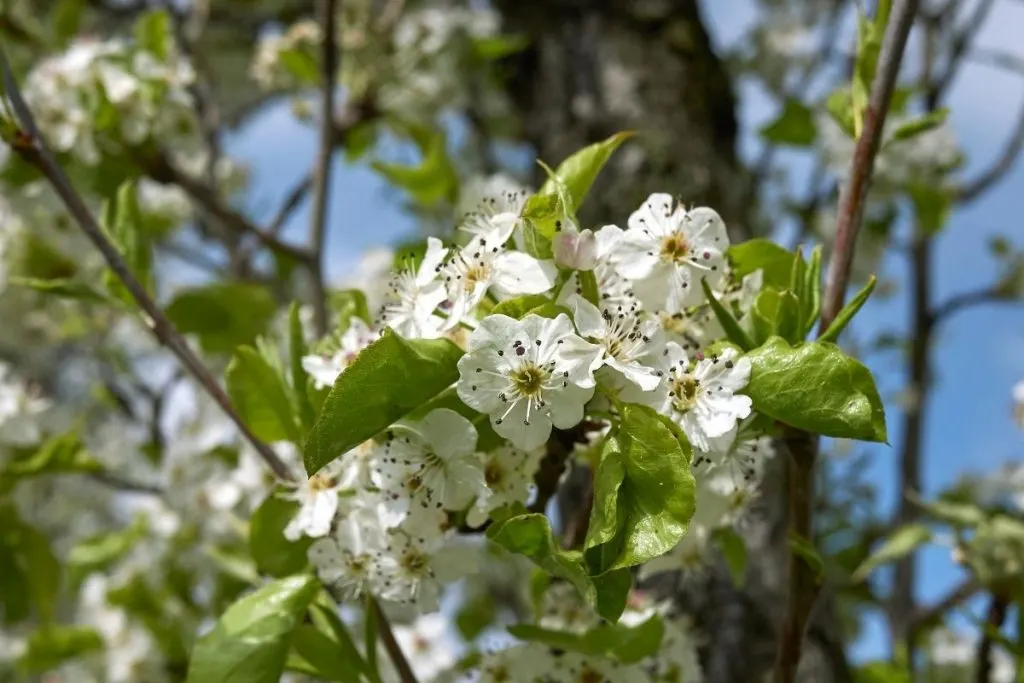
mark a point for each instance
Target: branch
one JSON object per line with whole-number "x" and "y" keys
{"x": 122, "y": 484}
{"x": 322, "y": 172}
{"x": 29, "y": 144}
{"x": 290, "y": 203}
{"x": 405, "y": 672}
{"x": 971, "y": 190}
{"x": 994, "y": 619}
{"x": 961, "y": 43}
{"x": 958, "y": 303}
{"x": 925, "y": 616}
{"x": 854, "y": 192}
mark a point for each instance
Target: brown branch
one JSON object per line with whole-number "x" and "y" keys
{"x": 322, "y": 172}
{"x": 405, "y": 672}
{"x": 124, "y": 485}
{"x": 290, "y": 203}
{"x": 960, "y": 302}
{"x": 854, "y": 192}
{"x": 960, "y": 45}
{"x": 972, "y": 189}
{"x": 994, "y": 618}
{"x": 923, "y": 617}
{"x": 30, "y": 145}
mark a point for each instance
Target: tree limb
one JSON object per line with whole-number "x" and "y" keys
{"x": 994, "y": 618}
{"x": 1004, "y": 163}
{"x": 925, "y": 616}
{"x": 29, "y": 144}
{"x": 956, "y": 304}
{"x": 405, "y": 672}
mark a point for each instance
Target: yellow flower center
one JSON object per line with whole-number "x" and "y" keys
{"x": 529, "y": 379}
{"x": 675, "y": 248}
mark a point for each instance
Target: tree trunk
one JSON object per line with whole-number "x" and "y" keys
{"x": 595, "y": 68}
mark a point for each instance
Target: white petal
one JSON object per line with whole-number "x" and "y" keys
{"x": 448, "y": 433}
{"x": 576, "y": 251}
{"x": 323, "y": 371}
{"x": 479, "y": 390}
{"x": 636, "y": 255}
{"x": 431, "y": 262}
{"x": 495, "y": 332}
{"x": 580, "y": 359}
{"x": 566, "y": 406}
{"x": 517, "y": 273}
{"x": 523, "y": 434}
{"x": 658, "y": 214}
{"x": 587, "y": 317}
{"x": 706, "y": 227}
{"x": 607, "y": 239}
{"x": 644, "y": 377}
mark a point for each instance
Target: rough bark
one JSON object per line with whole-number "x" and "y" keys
{"x": 595, "y": 68}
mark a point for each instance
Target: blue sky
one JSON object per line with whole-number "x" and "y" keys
{"x": 980, "y": 354}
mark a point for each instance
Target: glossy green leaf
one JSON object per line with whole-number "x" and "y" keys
{"x": 761, "y": 254}
{"x": 64, "y": 288}
{"x": 250, "y": 642}
{"x": 644, "y": 494}
{"x": 777, "y": 314}
{"x": 627, "y": 644}
{"x": 52, "y": 646}
{"x": 261, "y": 396}
{"x": 273, "y": 553}
{"x": 319, "y": 655}
{"x": 849, "y": 310}
{"x": 222, "y": 315}
{"x": 733, "y": 330}
{"x": 519, "y": 306}
{"x": 816, "y": 387}
{"x": 922, "y": 124}
{"x": 899, "y": 544}
{"x": 579, "y": 171}
{"x": 387, "y": 380}
{"x": 793, "y": 126}
{"x": 60, "y": 454}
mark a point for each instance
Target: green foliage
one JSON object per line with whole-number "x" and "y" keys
{"x": 776, "y": 314}
{"x": 122, "y": 221}
{"x": 223, "y": 315}
{"x": 301, "y": 65}
{"x": 274, "y": 554}
{"x": 434, "y": 179}
{"x": 530, "y": 535}
{"x": 761, "y": 254}
{"x": 300, "y": 380}
{"x": 518, "y": 307}
{"x": 65, "y": 288}
{"x": 580, "y": 170}
{"x": 816, "y": 387}
{"x": 932, "y": 205}
{"x": 627, "y": 644}
{"x": 64, "y": 20}
{"x": 152, "y": 33}
{"x": 734, "y": 551}
{"x": 29, "y": 573}
{"x": 348, "y": 304}
{"x": 922, "y": 124}
{"x": 644, "y": 494}
{"x": 60, "y": 454}
{"x": 844, "y": 316}
{"x": 804, "y": 549}
{"x": 388, "y": 380}
{"x": 324, "y": 649}
{"x": 262, "y": 396}
{"x": 37, "y": 260}
{"x": 475, "y": 615}
{"x": 250, "y": 641}
{"x": 793, "y": 126}
{"x": 493, "y": 48}
{"x": 899, "y": 544}
{"x": 98, "y": 552}
{"x": 53, "y": 645}
{"x": 733, "y": 330}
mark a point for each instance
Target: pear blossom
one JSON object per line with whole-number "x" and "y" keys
{"x": 508, "y": 474}
{"x": 427, "y": 645}
{"x": 485, "y": 263}
{"x": 528, "y": 375}
{"x": 412, "y": 297}
{"x": 627, "y": 340}
{"x": 666, "y": 250}
{"x": 325, "y": 369}
{"x": 614, "y": 291}
{"x": 740, "y": 456}
{"x": 318, "y": 502}
{"x": 576, "y": 250}
{"x": 431, "y": 461}
{"x": 497, "y": 214}
{"x": 345, "y": 557}
{"x": 701, "y": 397}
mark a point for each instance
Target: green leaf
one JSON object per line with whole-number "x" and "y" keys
{"x": 849, "y": 310}
{"x": 250, "y": 641}
{"x": 61, "y": 454}
{"x": 793, "y": 126}
{"x": 261, "y": 396}
{"x": 389, "y": 379}
{"x": 899, "y": 544}
{"x": 579, "y": 171}
{"x": 52, "y": 646}
{"x": 319, "y": 655}
{"x": 962, "y": 515}
{"x": 97, "y": 553}
{"x": 301, "y": 65}
{"x": 761, "y": 254}
{"x": 64, "y": 288}
{"x": 840, "y": 107}
{"x": 122, "y": 220}
{"x": 611, "y": 591}
{"x": 434, "y": 179}
{"x": 274, "y": 554}
{"x": 300, "y": 380}
{"x": 776, "y": 313}
{"x": 810, "y": 301}
{"x": 65, "y": 18}
{"x": 348, "y": 304}
{"x": 493, "y": 48}
{"x": 733, "y": 330}
{"x": 542, "y": 217}
{"x": 37, "y": 259}
{"x": 921, "y": 124}
{"x": 805, "y": 550}
{"x": 30, "y": 574}
{"x": 153, "y": 33}
{"x": 932, "y": 205}
{"x": 521, "y": 305}
{"x": 223, "y": 315}
{"x": 869, "y": 45}
{"x": 627, "y": 644}
{"x": 816, "y": 387}
{"x": 644, "y": 494}
{"x": 475, "y": 615}
{"x": 734, "y": 552}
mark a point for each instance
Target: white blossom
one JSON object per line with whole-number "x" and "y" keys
{"x": 325, "y": 369}
{"x": 318, "y": 502}
{"x": 413, "y": 297}
{"x": 528, "y": 375}
{"x": 508, "y": 474}
{"x": 627, "y": 341}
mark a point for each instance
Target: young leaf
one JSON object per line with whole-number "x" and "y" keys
{"x": 644, "y": 494}
{"x": 273, "y": 553}
{"x": 54, "y": 645}
{"x": 250, "y": 641}
{"x": 261, "y": 396}
{"x": 296, "y": 350}
{"x": 840, "y": 107}
{"x": 808, "y": 553}
{"x": 153, "y": 33}
{"x": 793, "y": 126}
{"x": 222, "y": 315}
{"x": 579, "y": 171}
{"x": 901, "y": 543}
{"x": 430, "y": 182}
{"x": 388, "y": 380}
{"x": 816, "y": 387}
{"x": 317, "y": 654}
{"x": 776, "y": 313}
{"x": 122, "y": 220}
{"x": 733, "y": 330}
{"x": 63, "y": 453}
{"x": 922, "y": 124}
{"x": 627, "y": 644}
{"x": 761, "y": 254}
{"x": 348, "y": 304}
{"x": 64, "y": 288}
{"x": 30, "y": 575}
{"x": 734, "y": 552}
{"x": 810, "y": 301}
{"x": 849, "y": 310}
{"x": 519, "y": 306}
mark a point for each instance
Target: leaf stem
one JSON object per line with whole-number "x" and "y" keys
{"x": 405, "y": 672}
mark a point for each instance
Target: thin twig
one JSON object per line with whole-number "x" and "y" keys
{"x": 972, "y": 189}
{"x": 925, "y": 616}
{"x": 994, "y": 618}
{"x": 405, "y": 672}
{"x": 125, "y": 485}
{"x": 29, "y": 144}
{"x": 322, "y": 171}
{"x": 956, "y": 304}
{"x": 854, "y": 192}
{"x": 290, "y": 203}
{"x": 961, "y": 44}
